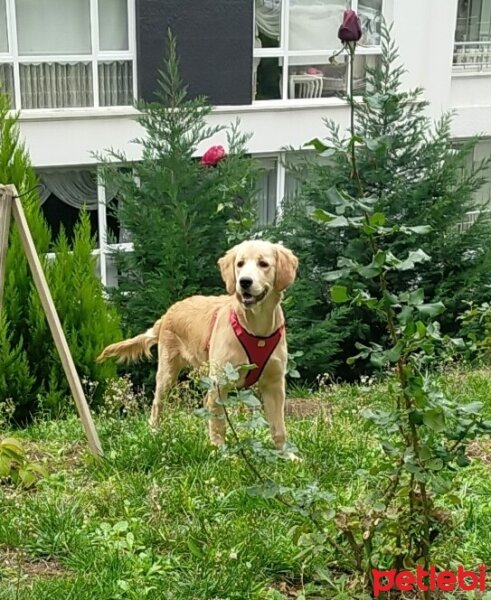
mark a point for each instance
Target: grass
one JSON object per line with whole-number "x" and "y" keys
{"x": 165, "y": 516}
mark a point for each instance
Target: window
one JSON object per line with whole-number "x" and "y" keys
{"x": 472, "y": 50}
{"x": 295, "y": 39}
{"x": 276, "y": 185}
{"x": 65, "y": 193}
{"x": 67, "y": 53}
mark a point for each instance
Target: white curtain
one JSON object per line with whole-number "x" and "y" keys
{"x": 69, "y": 85}
{"x": 7, "y": 81}
{"x": 314, "y": 24}
{"x": 115, "y": 83}
{"x": 77, "y": 188}
{"x": 4, "y": 46}
{"x": 268, "y": 17}
{"x": 371, "y": 19}
{"x": 113, "y": 25}
{"x": 56, "y": 85}
{"x": 266, "y": 192}
{"x": 53, "y": 26}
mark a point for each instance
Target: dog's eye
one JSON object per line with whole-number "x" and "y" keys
{"x": 263, "y": 264}
{"x": 240, "y": 263}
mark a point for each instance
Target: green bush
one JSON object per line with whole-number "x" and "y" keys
{"x": 30, "y": 369}
{"x": 181, "y": 215}
{"x": 418, "y": 176}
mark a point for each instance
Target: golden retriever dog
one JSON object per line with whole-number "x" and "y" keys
{"x": 244, "y": 327}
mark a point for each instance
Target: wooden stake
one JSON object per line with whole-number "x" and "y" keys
{"x": 53, "y": 320}
{"x": 5, "y": 211}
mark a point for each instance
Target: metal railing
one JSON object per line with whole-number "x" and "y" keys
{"x": 471, "y": 217}
{"x": 472, "y": 56}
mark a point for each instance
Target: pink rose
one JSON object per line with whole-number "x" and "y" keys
{"x": 213, "y": 156}
{"x": 350, "y": 30}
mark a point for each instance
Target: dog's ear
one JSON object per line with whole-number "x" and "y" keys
{"x": 227, "y": 269}
{"x": 286, "y": 268}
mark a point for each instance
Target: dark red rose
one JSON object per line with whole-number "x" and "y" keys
{"x": 213, "y": 156}
{"x": 350, "y": 30}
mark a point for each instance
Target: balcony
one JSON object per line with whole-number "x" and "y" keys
{"x": 472, "y": 57}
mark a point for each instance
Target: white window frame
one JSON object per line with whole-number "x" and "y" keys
{"x": 94, "y": 57}
{"x": 283, "y": 54}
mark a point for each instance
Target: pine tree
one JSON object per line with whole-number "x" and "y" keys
{"x": 181, "y": 215}
{"x": 417, "y": 175}
{"x": 30, "y": 369}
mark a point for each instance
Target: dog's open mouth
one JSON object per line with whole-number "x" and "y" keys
{"x": 250, "y": 300}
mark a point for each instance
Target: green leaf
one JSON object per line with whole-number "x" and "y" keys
{"x": 413, "y": 258}
{"x": 317, "y": 144}
{"x": 463, "y": 460}
{"x": 339, "y": 221}
{"x": 373, "y": 144}
{"x": 435, "y": 464}
{"x": 418, "y": 229}
{"x": 394, "y": 353}
{"x": 120, "y": 527}
{"x": 424, "y": 453}
{"x": 369, "y": 272}
{"x": 13, "y": 447}
{"x": 390, "y": 449}
{"x": 431, "y": 310}
{"x": 335, "y": 275}
{"x": 335, "y": 197}
{"x": 204, "y": 413}
{"x": 377, "y": 219}
{"x": 321, "y": 216}
{"x": 5, "y": 466}
{"x": 416, "y": 297}
{"x": 339, "y": 294}
{"x": 434, "y": 419}
{"x": 473, "y": 408}
{"x": 249, "y": 399}
{"x": 268, "y": 489}
{"x": 195, "y": 549}
{"x": 379, "y": 258}
{"x": 328, "y": 153}
{"x": 231, "y": 373}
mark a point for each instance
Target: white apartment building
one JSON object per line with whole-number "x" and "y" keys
{"x": 73, "y": 67}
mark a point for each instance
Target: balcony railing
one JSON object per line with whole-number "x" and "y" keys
{"x": 472, "y": 56}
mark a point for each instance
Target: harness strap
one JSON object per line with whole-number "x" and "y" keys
{"x": 258, "y": 349}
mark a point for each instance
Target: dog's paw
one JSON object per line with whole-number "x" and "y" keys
{"x": 292, "y": 456}
{"x": 217, "y": 442}
{"x": 154, "y": 427}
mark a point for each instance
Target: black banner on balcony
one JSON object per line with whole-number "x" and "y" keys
{"x": 214, "y": 42}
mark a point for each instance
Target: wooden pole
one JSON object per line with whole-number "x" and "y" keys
{"x": 54, "y": 323}
{"x": 5, "y": 213}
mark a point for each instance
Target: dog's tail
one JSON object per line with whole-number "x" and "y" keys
{"x": 134, "y": 348}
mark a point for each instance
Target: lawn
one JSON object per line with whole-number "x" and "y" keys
{"x": 165, "y": 516}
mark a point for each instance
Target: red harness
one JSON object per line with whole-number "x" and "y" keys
{"x": 258, "y": 349}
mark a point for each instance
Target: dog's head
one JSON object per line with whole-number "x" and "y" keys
{"x": 254, "y": 269}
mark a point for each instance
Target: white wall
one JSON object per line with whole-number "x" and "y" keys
{"x": 424, "y": 33}
{"x": 54, "y": 141}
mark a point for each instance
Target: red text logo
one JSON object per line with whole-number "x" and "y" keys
{"x": 431, "y": 580}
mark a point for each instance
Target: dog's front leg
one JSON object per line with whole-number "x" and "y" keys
{"x": 273, "y": 394}
{"x": 217, "y": 423}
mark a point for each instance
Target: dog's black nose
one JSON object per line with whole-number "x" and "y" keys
{"x": 245, "y": 282}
